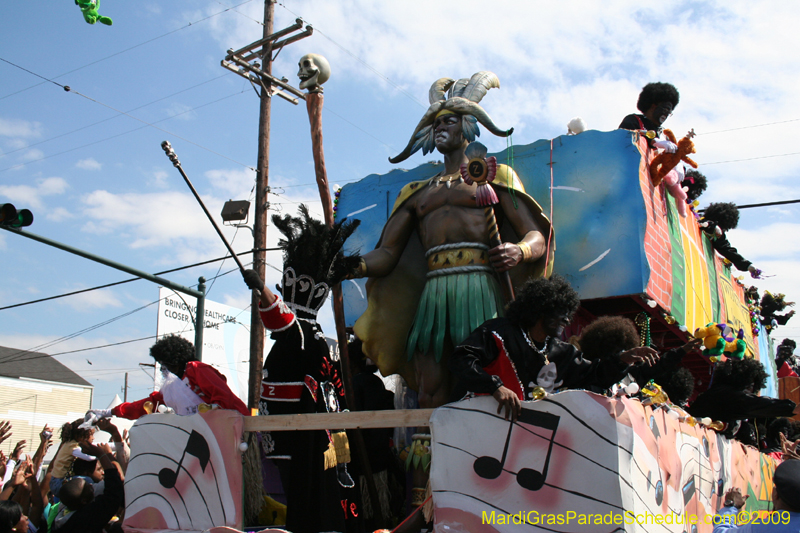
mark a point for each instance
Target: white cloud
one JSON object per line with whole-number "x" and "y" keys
{"x": 31, "y": 197}
{"x": 32, "y": 155}
{"x": 3, "y": 245}
{"x": 88, "y": 301}
{"x": 236, "y": 183}
{"x": 769, "y": 242}
{"x": 19, "y": 128}
{"x": 88, "y": 164}
{"x": 159, "y": 179}
{"x": 59, "y": 214}
{"x": 238, "y": 300}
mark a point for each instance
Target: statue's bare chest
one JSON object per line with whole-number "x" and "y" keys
{"x": 438, "y": 196}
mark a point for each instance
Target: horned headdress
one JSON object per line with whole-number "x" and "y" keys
{"x": 462, "y": 98}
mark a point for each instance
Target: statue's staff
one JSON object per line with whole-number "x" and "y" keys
{"x": 314, "y": 71}
{"x": 482, "y": 170}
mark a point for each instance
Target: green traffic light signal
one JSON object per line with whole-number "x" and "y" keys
{"x": 9, "y": 216}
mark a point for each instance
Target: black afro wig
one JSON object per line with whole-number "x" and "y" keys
{"x": 607, "y": 336}
{"x": 695, "y": 184}
{"x": 723, "y": 214}
{"x": 740, "y": 374}
{"x": 679, "y": 385}
{"x": 777, "y": 426}
{"x": 543, "y": 298}
{"x": 653, "y": 93}
{"x": 173, "y": 352}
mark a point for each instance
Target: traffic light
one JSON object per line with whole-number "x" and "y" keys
{"x": 9, "y": 216}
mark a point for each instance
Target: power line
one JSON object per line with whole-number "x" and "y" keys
{"x": 750, "y": 159}
{"x": 242, "y": 14}
{"x": 69, "y": 89}
{"x": 767, "y": 204}
{"x": 129, "y": 280}
{"x": 130, "y": 48}
{"x": 118, "y": 114}
{"x": 13, "y": 357}
{"x": 749, "y": 127}
{"x": 42, "y": 356}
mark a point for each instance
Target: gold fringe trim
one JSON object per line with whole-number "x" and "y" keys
{"x": 342, "y": 446}
{"x": 330, "y": 456}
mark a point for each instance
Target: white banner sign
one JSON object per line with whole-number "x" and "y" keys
{"x": 226, "y": 339}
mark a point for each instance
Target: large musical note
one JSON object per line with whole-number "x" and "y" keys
{"x": 489, "y": 467}
{"x": 197, "y": 446}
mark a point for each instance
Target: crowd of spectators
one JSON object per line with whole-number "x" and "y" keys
{"x": 80, "y": 490}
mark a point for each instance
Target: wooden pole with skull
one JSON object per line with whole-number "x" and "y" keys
{"x": 314, "y": 71}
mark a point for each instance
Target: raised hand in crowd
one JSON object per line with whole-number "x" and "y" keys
{"x": 3, "y": 462}
{"x": 22, "y": 473}
{"x": 120, "y": 454}
{"x": 17, "y": 452}
{"x": 45, "y": 441}
{"x": 5, "y": 430}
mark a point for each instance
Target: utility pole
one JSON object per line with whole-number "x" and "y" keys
{"x": 247, "y": 62}
{"x": 125, "y": 394}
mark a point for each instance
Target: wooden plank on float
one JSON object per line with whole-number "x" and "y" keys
{"x": 346, "y": 420}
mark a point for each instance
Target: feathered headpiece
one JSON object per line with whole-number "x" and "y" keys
{"x": 313, "y": 259}
{"x": 462, "y": 98}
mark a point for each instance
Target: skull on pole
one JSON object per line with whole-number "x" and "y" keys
{"x": 314, "y": 71}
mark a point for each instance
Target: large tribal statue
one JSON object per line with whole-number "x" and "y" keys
{"x": 433, "y": 275}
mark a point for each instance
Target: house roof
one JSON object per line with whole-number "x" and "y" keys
{"x": 16, "y": 363}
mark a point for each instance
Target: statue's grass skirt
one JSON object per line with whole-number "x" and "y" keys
{"x": 458, "y": 302}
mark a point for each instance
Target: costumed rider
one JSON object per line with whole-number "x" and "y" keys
{"x": 732, "y": 398}
{"x": 783, "y": 354}
{"x": 517, "y": 357}
{"x": 717, "y": 220}
{"x": 433, "y": 274}
{"x": 608, "y": 336}
{"x": 771, "y": 305}
{"x": 188, "y": 386}
{"x": 299, "y": 375}
{"x": 657, "y": 101}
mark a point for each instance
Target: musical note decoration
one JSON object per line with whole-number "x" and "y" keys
{"x": 489, "y": 467}
{"x": 196, "y": 446}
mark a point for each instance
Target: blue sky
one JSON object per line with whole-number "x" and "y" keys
{"x": 89, "y": 165}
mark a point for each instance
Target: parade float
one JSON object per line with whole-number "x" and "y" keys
{"x": 574, "y": 460}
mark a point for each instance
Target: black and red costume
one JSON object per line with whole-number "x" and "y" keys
{"x": 499, "y": 353}
{"x": 300, "y": 377}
